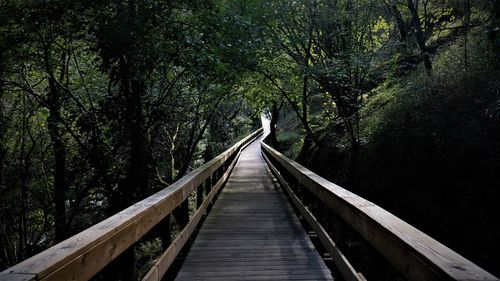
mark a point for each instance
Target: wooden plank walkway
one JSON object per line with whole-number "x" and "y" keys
{"x": 252, "y": 233}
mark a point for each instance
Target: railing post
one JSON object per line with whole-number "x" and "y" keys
{"x": 215, "y": 178}
{"x": 208, "y": 185}
{"x": 181, "y": 213}
{"x": 164, "y": 230}
{"x": 199, "y": 195}
{"x": 123, "y": 268}
{"x": 306, "y": 196}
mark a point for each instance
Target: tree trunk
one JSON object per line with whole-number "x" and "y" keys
{"x": 402, "y": 26}
{"x": 136, "y": 180}
{"x": 132, "y": 187}
{"x": 59, "y": 154}
{"x": 465, "y": 23}
{"x": 353, "y": 173}
{"x": 58, "y": 149}
{"x": 24, "y": 176}
{"x": 3, "y": 151}
{"x": 274, "y": 120}
{"x": 420, "y": 36}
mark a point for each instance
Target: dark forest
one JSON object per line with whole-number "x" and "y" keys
{"x": 104, "y": 103}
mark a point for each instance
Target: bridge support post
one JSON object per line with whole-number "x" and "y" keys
{"x": 181, "y": 213}
{"x": 164, "y": 231}
{"x": 215, "y": 178}
{"x": 123, "y": 268}
{"x": 208, "y": 185}
{"x": 199, "y": 195}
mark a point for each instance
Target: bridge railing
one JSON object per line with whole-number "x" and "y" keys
{"x": 414, "y": 254}
{"x": 86, "y": 253}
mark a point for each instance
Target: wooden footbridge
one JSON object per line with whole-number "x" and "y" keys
{"x": 246, "y": 227}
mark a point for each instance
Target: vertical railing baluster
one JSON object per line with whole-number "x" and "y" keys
{"x": 181, "y": 213}
{"x": 163, "y": 228}
{"x": 215, "y": 178}
{"x": 199, "y": 195}
{"x": 208, "y": 185}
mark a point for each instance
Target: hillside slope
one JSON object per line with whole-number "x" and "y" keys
{"x": 430, "y": 149}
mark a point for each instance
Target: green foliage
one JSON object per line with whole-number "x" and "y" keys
{"x": 453, "y": 86}
{"x": 375, "y": 103}
{"x": 290, "y": 135}
{"x": 147, "y": 253}
{"x": 293, "y": 143}
{"x": 428, "y": 141}
{"x": 105, "y": 102}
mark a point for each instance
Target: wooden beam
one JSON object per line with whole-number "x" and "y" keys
{"x": 415, "y": 254}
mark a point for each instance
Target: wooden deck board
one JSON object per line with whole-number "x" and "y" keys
{"x": 252, "y": 232}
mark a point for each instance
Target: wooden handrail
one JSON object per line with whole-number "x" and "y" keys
{"x": 339, "y": 259}
{"x": 86, "y": 253}
{"x": 158, "y": 270}
{"x": 415, "y": 254}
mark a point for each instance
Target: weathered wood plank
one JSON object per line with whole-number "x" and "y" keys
{"x": 278, "y": 277}
{"x": 228, "y": 267}
{"x": 254, "y": 262}
{"x": 415, "y": 254}
{"x": 311, "y": 272}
